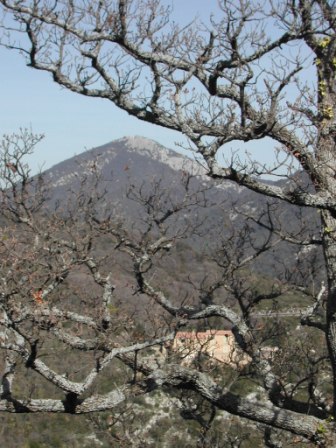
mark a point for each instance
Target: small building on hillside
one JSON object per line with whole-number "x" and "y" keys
{"x": 218, "y": 345}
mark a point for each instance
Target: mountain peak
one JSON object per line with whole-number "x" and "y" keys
{"x": 121, "y": 153}
{"x": 139, "y": 142}
{"x": 150, "y": 148}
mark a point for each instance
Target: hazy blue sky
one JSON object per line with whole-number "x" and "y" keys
{"x": 70, "y": 122}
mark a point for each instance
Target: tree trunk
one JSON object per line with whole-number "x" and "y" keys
{"x": 329, "y": 247}
{"x": 326, "y": 169}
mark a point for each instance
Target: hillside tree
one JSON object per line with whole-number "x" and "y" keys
{"x": 256, "y": 71}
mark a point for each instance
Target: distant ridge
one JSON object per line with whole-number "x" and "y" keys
{"x": 140, "y": 162}
{"x": 66, "y": 172}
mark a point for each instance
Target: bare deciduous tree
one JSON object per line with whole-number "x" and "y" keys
{"x": 39, "y": 253}
{"x": 254, "y": 72}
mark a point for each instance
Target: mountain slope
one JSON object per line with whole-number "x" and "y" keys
{"x": 141, "y": 163}
{"x": 131, "y": 161}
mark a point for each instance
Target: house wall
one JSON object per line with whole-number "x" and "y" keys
{"x": 217, "y": 344}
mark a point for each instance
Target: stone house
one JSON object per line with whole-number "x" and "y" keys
{"x": 218, "y": 345}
